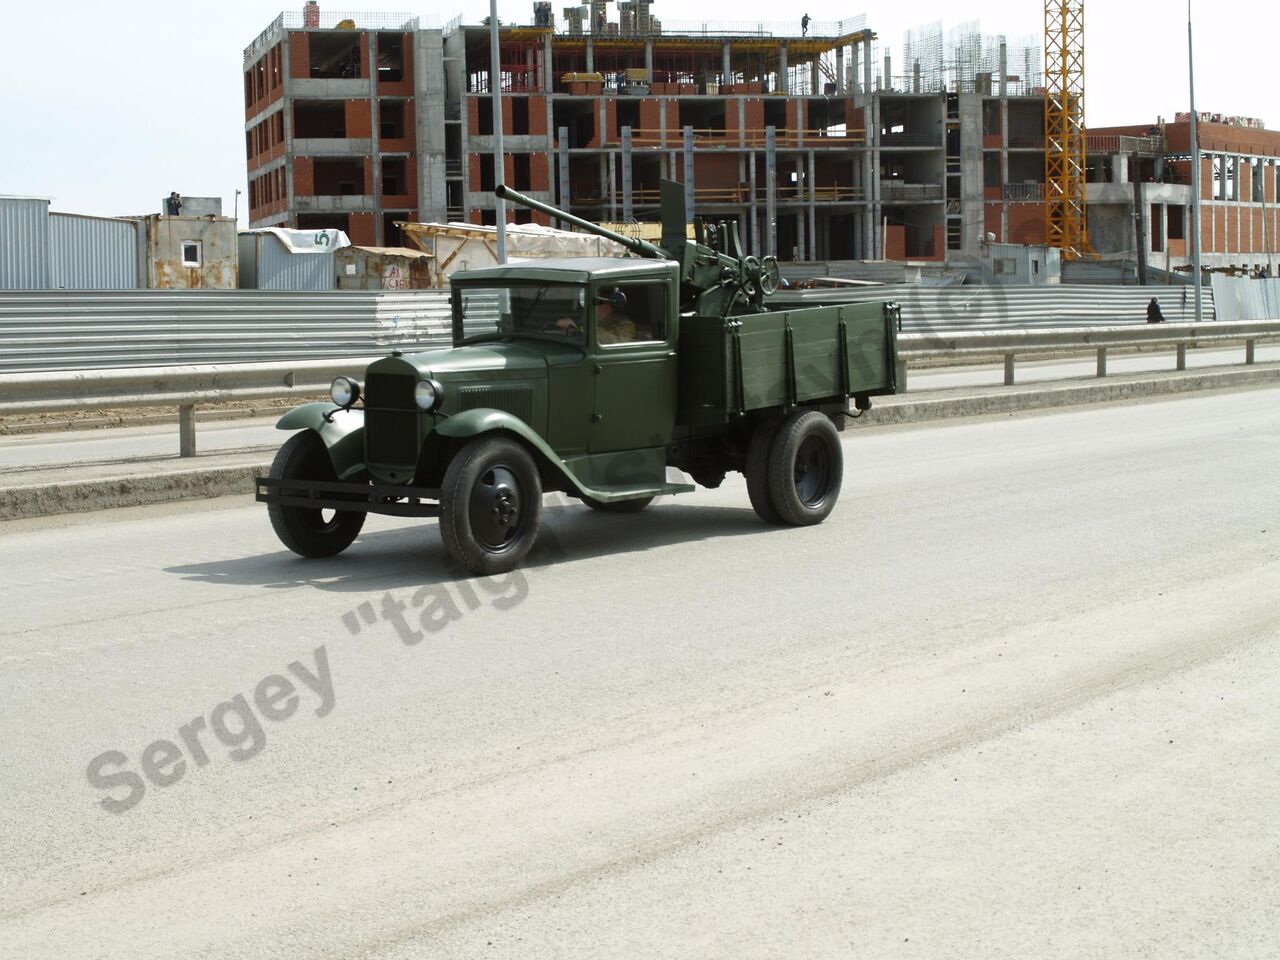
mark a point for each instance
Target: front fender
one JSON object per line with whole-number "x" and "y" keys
{"x": 473, "y": 423}
{"x": 342, "y": 433}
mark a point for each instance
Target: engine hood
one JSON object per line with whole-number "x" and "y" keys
{"x": 501, "y": 360}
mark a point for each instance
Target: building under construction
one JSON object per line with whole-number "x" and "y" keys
{"x": 818, "y": 141}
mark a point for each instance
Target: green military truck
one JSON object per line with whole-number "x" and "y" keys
{"x": 591, "y": 377}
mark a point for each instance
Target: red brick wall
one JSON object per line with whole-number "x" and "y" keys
{"x": 715, "y": 170}
{"x": 361, "y": 230}
{"x": 299, "y": 56}
{"x": 540, "y": 172}
{"x": 895, "y": 242}
{"x": 304, "y": 184}
{"x": 1026, "y": 223}
{"x": 537, "y": 116}
{"x": 359, "y": 121}
{"x": 473, "y": 172}
{"x": 473, "y": 116}
{"x": 991, "y": 220}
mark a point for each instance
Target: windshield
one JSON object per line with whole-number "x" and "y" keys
{"x": 529, "y": 309}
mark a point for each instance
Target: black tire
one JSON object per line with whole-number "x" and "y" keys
{"x": 806, "y": 466}
{"x": 618, "y": 506}
{"x": 756, "y": 470}
{"x": 490, "y": 502}
{"x": 304, "y": 530}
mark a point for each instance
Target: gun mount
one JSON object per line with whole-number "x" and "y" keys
{"x": 715, "y": 278}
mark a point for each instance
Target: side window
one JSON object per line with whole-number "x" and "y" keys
{"x": 631, "y": 313}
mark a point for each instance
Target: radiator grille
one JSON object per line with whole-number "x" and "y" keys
{"x": 391, "y": 419}
{"x": 391, "y": 436}
{"x": 390, "y": 391}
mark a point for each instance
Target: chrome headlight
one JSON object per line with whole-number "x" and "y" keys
{"x": 344, "y": 391}
{"x": 428, "y": 394}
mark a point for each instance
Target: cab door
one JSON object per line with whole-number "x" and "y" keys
{"x": 636, "y": 377}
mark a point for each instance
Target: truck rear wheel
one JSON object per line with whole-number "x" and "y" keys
{"x": 806, "y": 466}
{"x": 309, "y": 531}
{"x": 756, "y": 470}
{"x": 490, "y": 502}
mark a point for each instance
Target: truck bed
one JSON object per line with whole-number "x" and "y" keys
{"x": 735, "y": 365}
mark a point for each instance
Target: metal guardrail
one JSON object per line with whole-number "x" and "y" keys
{"x": 187, "y": 386}
{"x": 180, "y": 386}
{"x": 1011, "y": 344}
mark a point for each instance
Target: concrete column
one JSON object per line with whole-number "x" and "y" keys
{"x": 726, "y": 54}
{"x": 855, "y": 76}
{"x": 801, "y": 250}
{"x": 612, "y": 174}
{"x": 591, "y": 57}
{"x": 375, "y": 159}
{"x": 888, "y": 72}
{"x": 648, "y": 58}
{"x": 771, "y": 191}
{"x": 866, "y": 66}
{"x": 565, "y": 192}
{"x": 782, "y": 68}
{"x": 627, "y": 209}
{"x": 754, "y": 214}
{"x": 813, "y": 209}
{"x": 1119, "y": 168}
{"x": 548, "y": 75}
{"x": 840, "y": 78}
{"x": 815, "y": 78}
{"x": 1004, "y": 69}
{"x": 688, "y": 174}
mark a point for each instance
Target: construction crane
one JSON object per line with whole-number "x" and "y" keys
{"x": 1064, "y": 131}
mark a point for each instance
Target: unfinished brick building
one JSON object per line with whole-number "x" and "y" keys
{"x": 803, "y": 134}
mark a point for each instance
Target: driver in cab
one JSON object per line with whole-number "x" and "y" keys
{"x": 612, "y": 323}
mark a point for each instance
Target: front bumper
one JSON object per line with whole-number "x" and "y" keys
{"x": 389, "y": 499}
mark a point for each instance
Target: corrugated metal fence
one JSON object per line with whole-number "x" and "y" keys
{"x": 53, "y": 330}
{"x": 50, "y": 330}
{"x": 984, "y": 308}
{"x": 1239, "y": 298}
{"x": 94, "y": 253}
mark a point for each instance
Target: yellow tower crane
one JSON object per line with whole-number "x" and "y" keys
{"x": 1064, "y": 131}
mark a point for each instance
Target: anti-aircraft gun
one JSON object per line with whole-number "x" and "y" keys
{"x": 716, "y": 279}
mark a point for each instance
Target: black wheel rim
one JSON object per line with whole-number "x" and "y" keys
{"x": 497, "y": 509}
{"x": 812, "y": 471}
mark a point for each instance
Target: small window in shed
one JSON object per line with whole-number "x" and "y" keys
{"x": 191, "y": 253}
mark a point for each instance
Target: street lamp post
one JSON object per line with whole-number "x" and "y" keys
{"x": 1195, "y": 175}
{"x": 495, "y": 90}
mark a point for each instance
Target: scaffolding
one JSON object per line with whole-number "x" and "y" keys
{"x": 965, "y": 60}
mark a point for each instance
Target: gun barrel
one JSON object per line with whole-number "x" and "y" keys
{"x": 640, "y": 247}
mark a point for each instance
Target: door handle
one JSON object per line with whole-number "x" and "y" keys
{"x": 597, "y": 417}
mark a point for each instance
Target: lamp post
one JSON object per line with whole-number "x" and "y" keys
{"x": 1195, "y": 175}
{"x": 495, "y": 90}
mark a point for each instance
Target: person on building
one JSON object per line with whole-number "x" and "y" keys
{"x": 173, "y": 205}
{"x": 1153, "y": 311}
{"x": 804, "y": 25}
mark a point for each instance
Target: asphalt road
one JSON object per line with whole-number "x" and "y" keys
{"x": 1016, "y": 698}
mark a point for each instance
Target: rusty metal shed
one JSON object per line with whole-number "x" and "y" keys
{"x": 190, "y": 253}
{"x": 383, "y": 268}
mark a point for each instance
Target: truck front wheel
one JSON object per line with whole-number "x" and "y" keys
{"x": 806, "y": 466}
{"x": 309, "y": 531}
{"x": 489, "y": 505}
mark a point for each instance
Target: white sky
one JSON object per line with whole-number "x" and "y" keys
{"x": 108, "y": 107}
